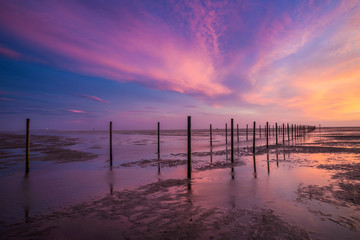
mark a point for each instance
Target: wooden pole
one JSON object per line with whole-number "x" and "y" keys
{"x": 273, "y": 130}
{"x": 158, "y": 131}
{"x": 210, "y": 136}
{"x": 276, "y": 130}
{"x": 260, "y": 130}
{"x": 189, "y": 147}
{"x": 226, "y": 133}
{"x": 237, "y": 132}
{"x": 27, "y": 157}
{"x": 267, "y": 134}
{"x": 288, "y": 130}
{"x": 247, "y": 130}
{"x": 254, "y": 137}
{"x": 283, "y": 132}
{"x": 111, "y": 156}
{"x": 232, "y": 140}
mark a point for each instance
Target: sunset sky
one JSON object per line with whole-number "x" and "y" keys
{"x": 79, "y": 64}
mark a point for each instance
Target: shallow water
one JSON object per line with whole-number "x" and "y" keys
{"x": 286, "y": 179}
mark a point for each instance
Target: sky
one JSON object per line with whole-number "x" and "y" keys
{"x": 76, "y": 65}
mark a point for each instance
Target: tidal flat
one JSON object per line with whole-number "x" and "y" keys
{"x": 306, "y": 187}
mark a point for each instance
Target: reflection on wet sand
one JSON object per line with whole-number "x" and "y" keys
{"x": 26, "y": 196}
{"x": 268, "y": 163}
{"x": 111, "y": 181}
{"x": 254, "y": 161}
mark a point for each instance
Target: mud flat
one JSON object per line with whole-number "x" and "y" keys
{"x": 308, "y": 188}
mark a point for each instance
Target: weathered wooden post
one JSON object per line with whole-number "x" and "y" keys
{"x": 273, "y": 130}
{"x": 254, "y": 129}
{"x": 260, "y": 130}
{"x": 27, "y": 156}
{"x": 226, "y": 133}
{"x": 158, "y": 132}
{"x": 292, "y": 132}
{"x": 210, "y": 136}
{"x": 288, "y": 130}
{"x": 189, "y": 147}
{"x": 276, "y": 131}
{"x": 111, "y": 144}
{"x": 283, "y": 132}
{"x": 247, "y": 130}
{"x": 267, "y": 134}
{"x": 237, "y": 132}
{"x": 232, "y": 140}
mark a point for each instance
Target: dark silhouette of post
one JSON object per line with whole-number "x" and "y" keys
{"x": 226, "y": 132}
{"x": 210, "y": 136}
{"x": 276, "y": 130}
{"x": 247, "y": 130}
{"x": 288, "y": 130}
{"x": 189, "y": 147}
{"x": 283, "y": 132}
{"x": 27, "y": 156}
{"x": 232, "y": 140}
{"x": 254, "y": 129}
{"x": 237, "y": 132}
{"x": 273, "y": 130}
{"x": 260, "y": 130}
{"x": 111, "y": 144}
{"x": 292, "y": 131}
{"x": 158, "y": 132}
{"x": 267, "y": 134}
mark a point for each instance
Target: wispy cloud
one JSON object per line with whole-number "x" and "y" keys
{"x": 9, "y": 53}
{"x": 97, "y": 99}
{"x": 6, "y": 99}
{"x": 75, "y": 111}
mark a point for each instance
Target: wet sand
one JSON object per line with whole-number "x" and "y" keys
{"x": 304, "y": 189}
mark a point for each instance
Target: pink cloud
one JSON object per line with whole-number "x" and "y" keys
{"x": 143, "y": 48}
{"x": 9, "y": 53}
{"x": 75, "y": 111}
{"x": 6, "y": 99}
{"x": 95, "y": 98}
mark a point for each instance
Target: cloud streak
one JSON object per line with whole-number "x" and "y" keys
{"x": 76, "y": 111}
{"x": 94, "y": 98}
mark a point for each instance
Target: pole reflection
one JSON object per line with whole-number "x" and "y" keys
{"x": 158, "y": 162}
{"x": 232, "y": 173}
{"x": 254, "y": 166}
{"x": 111, "y": 181}
{"x": 268, "y": 164}
{"x": 27, "y": 196}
